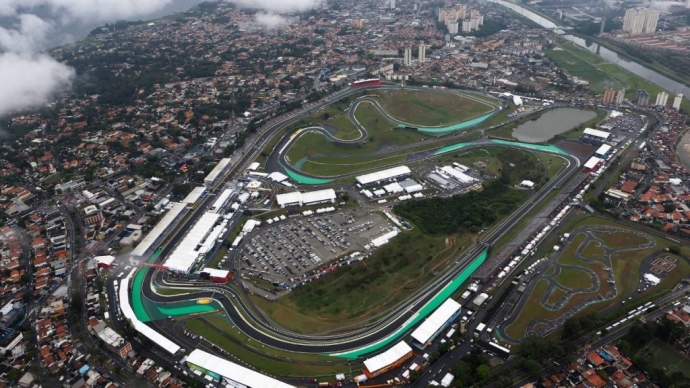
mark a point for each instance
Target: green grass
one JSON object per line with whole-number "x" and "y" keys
{"x": 334, "y": 166}
{"x": 574, "y": 278}
{"x": 221, "y": 332}
{"x": 172, "y": 291}
{"x": 356, "y": 293}
{"x": 583, "y": 64}
{"x": 667, "y": 358}
{"x": 593, "y": 250}
{"x": 428, "y": 108}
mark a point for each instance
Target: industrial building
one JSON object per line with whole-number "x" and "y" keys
{"x": 217, "y": 172}
{"x": 234, "y": 374}
{"x": 593, "y": 164}
{"x": 390, "y": 359}
{"x": 436, "y": 323}
{"x": 104, "y": 261}
{"x": 216, "y": 275}
{"x": 383, "y": 175}
{"x": 305, "y": 199}
{"x": 603, "y": 150}
{"x": 160, "y": 230}
{"x": 198, "y": 241}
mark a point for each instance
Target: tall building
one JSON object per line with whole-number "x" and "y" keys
{"x": 677, "y": 101}
{"x": 642, "y": 97}
{"x": 356, "y": 23}
{"x": 452, "y": 26}
{"x": 466, "y": 26}
{"x": 602, "y": 24}
{"x": 609, "y": 96}
{"x": 408, "y": 56}
{"x": 392, "y": 4}
{"x": 661, "y": 99}
{"x": 620, "y": 96}
{"x": 421, "y": 55}
{"x": 640, "y": 21}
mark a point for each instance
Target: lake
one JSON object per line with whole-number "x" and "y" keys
{"x": 552, "y": 123}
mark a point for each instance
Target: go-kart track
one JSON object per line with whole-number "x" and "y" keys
{"x": 393, "y": 326}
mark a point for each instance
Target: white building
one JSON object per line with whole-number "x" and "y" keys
{"x": 678, "y": 100}
{"x": 407, "y": 61}
{"x": 392, "y": 4}
{"x": 296, "y": 198}
{"x": 421, "y": 55}
{"x": 383, "y": 175}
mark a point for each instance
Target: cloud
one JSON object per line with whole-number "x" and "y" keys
{"x": 91, "y": 10}
{"x": 280, "y": 6}
{"x": 271, "y": 21}
{"x": 29, "y": 80}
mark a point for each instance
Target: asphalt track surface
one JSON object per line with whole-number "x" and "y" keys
{"x": 277, "y": 159}
{"x": 253, "y": 325}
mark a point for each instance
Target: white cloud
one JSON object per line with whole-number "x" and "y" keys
{"x": 29, "y": 35}
{"x": 30, "y": 80}
{"x": 270, "y": 21}
{"x": 91, "y": 10}
{"x": 280, "y": 6}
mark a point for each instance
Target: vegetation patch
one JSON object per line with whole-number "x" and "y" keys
{"x": 429, "y": 108}
{"x": 356, "y": 293}
{"x": 574, "y": 278}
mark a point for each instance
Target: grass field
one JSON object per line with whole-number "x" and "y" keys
{"x": 391, "y": 274}
{"x": 428, "y": 108}
{"x": 556, "y": 294}
{"x": 625, "y": 265}
{"x": 220, "y": 331}
{"x": 583, "y": 64}
{"x": 593, "y": 250}
{"x": 574, "y": 278}
{"x": 667, "y": 358}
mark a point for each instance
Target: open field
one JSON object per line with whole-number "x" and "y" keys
{"x": 625, "y": 264}
{"x": 358, "y": 292}
{"x": 583, "y": 64}
{"x": 220, "y": 331}
{"x": 667, "y": 358}
{"x": 428, "y": 108}
{"x": 602, "y": 74}
{"x": 574, "y": 278}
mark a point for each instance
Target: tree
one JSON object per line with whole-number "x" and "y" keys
{"x": 532, "y": 367}
{"x": 483, "y": 372}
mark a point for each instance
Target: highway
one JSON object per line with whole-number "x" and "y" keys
{"x": 250, "y": 322}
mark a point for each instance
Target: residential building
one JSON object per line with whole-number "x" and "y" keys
{"x": 609, "y": 96}
{"x": 661, "y": 99}
{"x": 392, "y": 4}
{"x": 421, "y": 55}
{"x": 407, "y": 61}
{"x": 620, "y": 96}
{"x": 640, "y": 21}
{"x": 452, "y": 26}
{"x": 678, "y": 100}
{"x": 642, "y": 97}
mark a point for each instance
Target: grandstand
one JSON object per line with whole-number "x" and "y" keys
{"x": 192, "y": 199}
{"x": 194, "y": 244}
{"x": 217, "y": 172}
{"x": 160, "y": 230}
{"x": 390, "y": 359}
{"x": 436, "y": 323}
{"x": 234, "y": 375}
{"x": 383, "y": 175}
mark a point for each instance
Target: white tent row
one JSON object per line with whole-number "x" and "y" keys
{"x": 234, "y": 372}
{"x": 186, "y": 253}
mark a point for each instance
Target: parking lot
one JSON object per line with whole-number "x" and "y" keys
{"x": 290, "y": 251}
